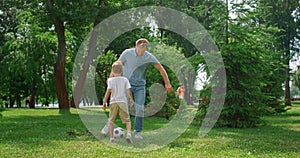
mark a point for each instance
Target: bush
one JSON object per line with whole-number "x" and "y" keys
{"x": 1, "y": 109}
{"x": 169, "y": 108}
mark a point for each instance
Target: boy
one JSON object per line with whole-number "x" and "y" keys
{"x": 118, "y": 86}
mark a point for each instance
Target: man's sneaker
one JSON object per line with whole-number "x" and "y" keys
{"x": 138, "y": 135}
{"x": 128, "y": 138}
{"x": 105, "y": 130}
{"x": 111, "y": 139}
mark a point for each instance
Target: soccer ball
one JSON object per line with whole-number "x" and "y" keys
{"x": 119, "y": 132}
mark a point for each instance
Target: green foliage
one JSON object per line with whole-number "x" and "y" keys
{"x": 296, "y": 78}
{"x": 246, "y": 64}
{"x": 32, "y": 51}
{"x": 1, "y": 109}
{"x": 127, "y": 40}
{"x": 168, "y": 57}
{"x": 251, "y": 62}
{"x": 284, "y": 16}
{"x": 103, "y": 70}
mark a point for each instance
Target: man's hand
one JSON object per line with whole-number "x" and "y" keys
{"x": 164, "y": 74}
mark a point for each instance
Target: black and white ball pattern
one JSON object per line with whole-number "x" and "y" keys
{"x": 119, "y": 132}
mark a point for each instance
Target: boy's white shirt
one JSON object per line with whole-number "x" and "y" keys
{"x": 118, "y": 86}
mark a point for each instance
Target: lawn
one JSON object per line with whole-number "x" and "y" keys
{"x": 52, "y": 133}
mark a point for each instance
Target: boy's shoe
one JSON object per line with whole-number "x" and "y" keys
{"x": 105, "y": 130}
{"x": 128, "y": 138}
{"x": 138, "y": 135}
{"x": 112, "y": 139}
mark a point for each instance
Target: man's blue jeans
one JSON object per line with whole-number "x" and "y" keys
{"x": 139, "y": 94}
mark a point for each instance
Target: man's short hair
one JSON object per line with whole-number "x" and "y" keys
{"x": 141, "y": 40}
{"x": 117, "y": 67}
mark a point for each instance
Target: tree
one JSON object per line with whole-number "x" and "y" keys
{"x": 296, "y": 78}
{"x": 38, "y": 47}
{"x": 8, "y": 27}
{"x": 103, "y": 71}
{"x": 63, "y": 14}
{"x": 283, "y": 14}
{"x": 59, "y": 65}
{"x": 82, "y": 76}
{"x": 32, "y": 51}
{"x": 250, "y": 60}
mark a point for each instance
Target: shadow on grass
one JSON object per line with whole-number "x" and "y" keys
{"x": 39, "y": 126}
{"x": 64, "y": 111}
{"x": 279, "y": 135}
{"x": 42, "y": 126}
{"x": 267, "y": 139}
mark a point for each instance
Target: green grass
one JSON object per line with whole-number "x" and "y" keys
{"x": 51, "y": 133}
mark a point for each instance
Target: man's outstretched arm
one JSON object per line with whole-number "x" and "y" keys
{"x": 164, "y": 74}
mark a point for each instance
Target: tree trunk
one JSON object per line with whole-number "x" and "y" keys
{"x": 287, "y": 87}
{"x": 190, "y": 83}
{"x": 59, "y": 66}
{"x": 227, "y": 23}
{"x": 33, "y": 94}
{"x": 18, "y": 99}
{"x": 45, "y": 87}
{"x": 82, "y": 76}
{"x": 11, "y": 101}
{"x": 77, "y": 93}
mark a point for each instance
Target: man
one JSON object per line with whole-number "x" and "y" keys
{"x": 135, "y": 62}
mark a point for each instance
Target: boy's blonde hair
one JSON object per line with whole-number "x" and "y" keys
{"x": 117, "y": 67}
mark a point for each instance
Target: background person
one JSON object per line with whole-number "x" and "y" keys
{"x": 180, "y": 91}
{"x": 27, "y": 100}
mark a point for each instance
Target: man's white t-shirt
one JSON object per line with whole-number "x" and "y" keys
{"x": 118, "y": 86}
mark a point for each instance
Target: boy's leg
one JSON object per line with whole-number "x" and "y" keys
{"x": 128, "y": 128}
{"x": 105, "y": 129}
{"x": 113, "y": 113}
{"x": 125, "y": 117}
{"x": 111, "y": 130}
